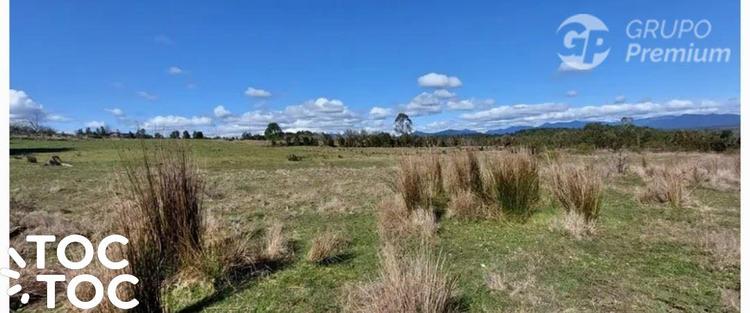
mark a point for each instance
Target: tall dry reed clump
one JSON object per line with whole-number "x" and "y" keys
{"x": 419, "y": 181}
{"x": 465, "y": 174}
{"x": 514, "y": 182}
{"x": 407, "y": 283}
{"x": 579, "y": 190}
{"x": 666, "y": 185}
{"x": 466, "y": 186}
{"x": 161, "y": 214}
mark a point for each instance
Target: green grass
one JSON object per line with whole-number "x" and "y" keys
{"x": 643, "y": 258}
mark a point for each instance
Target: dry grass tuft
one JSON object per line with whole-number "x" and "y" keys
{"x": 579, "y": 189}
{"x": 465, "y": 174}
{"x": 466, "y": 205}
{"x": 406, "y": 283}
{"x": 515, "y": 182}
{"x": 574, "y": 224}
{"x": 396, "y": 222}
{"x": 277, "y": 246}
{"x": 327, "y": 247}
{"x": 666, "y": 186}
{"x": 419, "y": 181}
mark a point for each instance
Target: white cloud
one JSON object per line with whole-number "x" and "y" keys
{"x": 620, "y": 99}
{"x": 146, "y": 95}
{"x": 116, "y": 112}
{"x": 508, "y": 112}
{"x": 174, "y": 70}
{"x": 257, "y": 93}
{"x": 424, "y": 104}
{"x": 96, "y": 124}
{"x": 175, "y": 121}
{"x": 427, "y": 103}
{"x": 320, "y": 114}
{"x": 571, "y": 94}
{"x": 443, "y": 93}
{"x": 378, "y": 113}
{"x": 536, "y": 114}
{"x": 24, "y": 109}
{"x": 221, "y": 112}
{"x": 436, "y": 80}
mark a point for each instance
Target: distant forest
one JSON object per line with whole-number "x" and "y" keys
{"x": 592, "y": 136}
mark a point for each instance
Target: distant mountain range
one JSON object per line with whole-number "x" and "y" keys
{"x": 685, "y": 121}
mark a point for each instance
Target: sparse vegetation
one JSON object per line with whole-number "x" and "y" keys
{"x": 492, "y": 264}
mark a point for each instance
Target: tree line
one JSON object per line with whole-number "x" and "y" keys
{"x": 591, "y": 136}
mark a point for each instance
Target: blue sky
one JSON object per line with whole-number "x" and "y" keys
{"x": 333, "y": 65}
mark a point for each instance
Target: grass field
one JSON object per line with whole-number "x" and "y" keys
{"x": 643, "y": 257}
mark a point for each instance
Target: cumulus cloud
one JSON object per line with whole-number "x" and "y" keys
{"x": 175, "y": 121}
{"x": 319, "y": 115}
{"x": 221, "y": 112}
{"x": 571, "y": 94}
{"x": 427, "y": 103}
{"x": 435, "y": 80}
{"x": 24, "y": 109}
{"x": 257, "y": 93}
{"x": 146, "y": 95}
{"x": 378, "y": 113}
{"x": 174, "y": 70}
{"x": 443, "y": 93}
{"x": 96, "y": 124}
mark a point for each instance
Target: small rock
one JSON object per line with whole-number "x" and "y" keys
{"x": 31, "y": 158}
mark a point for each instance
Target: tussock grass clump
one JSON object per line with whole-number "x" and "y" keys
{"x": 419, "y": 181}
{"x": 665, "y": 186}
{"x": 579, "y": 190}
{"x": 467, "y": 205}
{"x": 277, "y": 245}
{"x": 161, "y": 214}
{"x": 465, "y": 174}
{"x": 327, "y": 247}
{"x": 415, "y": 283}
{"x": 514, "y": 182}
{"x": 396, "y": 222}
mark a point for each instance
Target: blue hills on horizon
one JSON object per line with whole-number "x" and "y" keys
{"x": 685, "y": 121}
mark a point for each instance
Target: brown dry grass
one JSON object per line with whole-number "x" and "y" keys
{"x": 514, "y": 182}
{"x": 277, "y": 245}
{"x": 327, "y": 247}
{"x": 415, "y": 283}
{"x": 396, "y": 222}
{"x": 578, "y": 189}
{"x": 665, "y": 185}
{"x": 161, "y": 214}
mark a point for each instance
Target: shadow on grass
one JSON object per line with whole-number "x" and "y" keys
{"x": 238, "y": 281}
{"x": 24, "y": 151}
